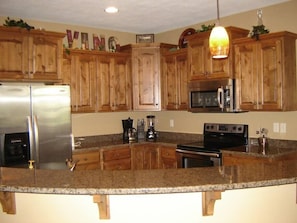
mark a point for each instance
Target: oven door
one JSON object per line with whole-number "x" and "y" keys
{"x": 191, "y": 159}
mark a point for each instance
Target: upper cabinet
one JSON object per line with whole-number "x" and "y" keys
{"x": 174, "y": 80}
{"x": 114, "y": 82}
{"x": 100, "y": 81}
{"x": 146, "y": 71}
{"x": 266, "y": 72}
{"x": 30, "y": 55}
{"x": 202, "y": 65}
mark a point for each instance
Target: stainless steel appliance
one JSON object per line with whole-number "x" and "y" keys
{"x": 35, "y": 124}
{"x": 151, "y": 134}
{"x": 216, "y": 95}
{"x": 216, "y": 137}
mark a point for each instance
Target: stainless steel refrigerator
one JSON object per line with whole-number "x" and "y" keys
{"x": 35, "y": 124}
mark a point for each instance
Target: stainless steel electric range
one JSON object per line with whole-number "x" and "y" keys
{"x": 216, "y": 137}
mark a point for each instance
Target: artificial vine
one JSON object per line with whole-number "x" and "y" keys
{"x": 19, "y": 23}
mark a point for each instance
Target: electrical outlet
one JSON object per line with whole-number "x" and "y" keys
{"x": 283, "y": 127}
{"x": 275, "y": 127}
{"x": 171, "y": 123}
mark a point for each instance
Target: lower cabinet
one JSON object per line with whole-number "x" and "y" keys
{"x": 232, "y": 159}
{"x": 142, "y": 156}
{"x": 116, "y": 158}
{"x": 87, "y": 160}
{"x": 167, "y": 158}
{"x": 145, "y": 156}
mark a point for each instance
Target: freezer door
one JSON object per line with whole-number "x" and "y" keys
{"x": 14, "y": 115}
{"x": 52, "y": 125}
{"x": 15, "y": 108}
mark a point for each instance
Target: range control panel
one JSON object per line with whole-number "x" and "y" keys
{"x": 225, "y": 128}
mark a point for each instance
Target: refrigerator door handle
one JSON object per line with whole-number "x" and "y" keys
{"x": 31, "y": 138}
{"x": 36, "y": 142}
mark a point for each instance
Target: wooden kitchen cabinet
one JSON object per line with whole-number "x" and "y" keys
{"x": 34, "y": 55}
{"x": 116, "y": 158}
{"x": 89, "y": 160}
{"x": 174, "y": 80}
{"x": 146, "y": 71}
{"x": 145, "y": 156}
{"x": 100, "y": 81}
{"x": 231, "y": 159}
{"x": 79, "y": 71}
{"x": 114, "y": 82}
{"x": 202, "y": 65}
{"x": 167, "y": 158}
{"x": 265, "y": 70}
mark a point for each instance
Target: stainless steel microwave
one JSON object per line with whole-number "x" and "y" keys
{"x": 217, "y": 95}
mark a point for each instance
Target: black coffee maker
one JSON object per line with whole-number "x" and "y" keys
{"x": 127, "y": 126}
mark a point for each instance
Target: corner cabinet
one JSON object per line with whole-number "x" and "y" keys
{"x": 30, "y": 55}
{"x": 174, "y": 80}
{"x": 202, "y": 65}
{"x": 100, "y": 81}
{"x": 265, "y": 70}
{"x": 146, "y": 71}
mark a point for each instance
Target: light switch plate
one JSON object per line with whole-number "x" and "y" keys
{"x": 275, "y": 127}
{"x": 283, "y": 127}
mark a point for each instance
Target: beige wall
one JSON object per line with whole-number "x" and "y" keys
{"x": 276, "y": 18}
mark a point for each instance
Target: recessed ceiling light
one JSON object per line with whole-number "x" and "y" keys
{"x": 111, "y": 9}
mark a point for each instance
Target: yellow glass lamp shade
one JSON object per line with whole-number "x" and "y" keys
{"x": 219, "y": 42}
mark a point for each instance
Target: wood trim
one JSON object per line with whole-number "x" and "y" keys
{"x": 103, "y": 205}
{"x": 7, "y": 199}
{"x": 208, "y": 201}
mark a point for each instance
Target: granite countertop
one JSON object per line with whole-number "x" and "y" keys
{"x": 147, "y": 181}
{"x": 154, "y": 181}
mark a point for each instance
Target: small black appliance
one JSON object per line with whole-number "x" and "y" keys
{"x": 151, "y": 134}
{"x": 127, "y": 126}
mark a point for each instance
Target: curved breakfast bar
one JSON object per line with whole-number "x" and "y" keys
{"x": 210, "y": 181}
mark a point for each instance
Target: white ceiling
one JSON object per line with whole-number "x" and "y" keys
{"x": 135, "y": 16}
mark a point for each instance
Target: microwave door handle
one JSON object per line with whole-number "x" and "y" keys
{"x": 221, "y": 97}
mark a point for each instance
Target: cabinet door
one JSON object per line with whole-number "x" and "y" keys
{"x": 83, "y": 83}
{"x": 246, "y": 75}
{"x": 145, "y": 156}
{"x": 116, "y": 159}
{"x": 105, "y": 69}
{"x": 182, "y": 81}
{"x": 14, "y": 56}
{"x": 170, "y": 79}
{"x": 146, "y": 78}
{"x": 168, "y": 159}
{"x": 202, "y": 65}
{"x": 30, "y": 55}
{"x": 174, "y": 81}
{"x": 121, "y": 84}
{"x": 259, "y": 74}
{"x": 270, "y": 75}
{"x": 45, "y": 57}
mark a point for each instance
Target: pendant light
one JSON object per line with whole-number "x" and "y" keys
{"x": 219, "y": 40}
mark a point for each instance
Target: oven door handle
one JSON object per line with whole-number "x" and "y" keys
{"x": 216, "y": 155}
